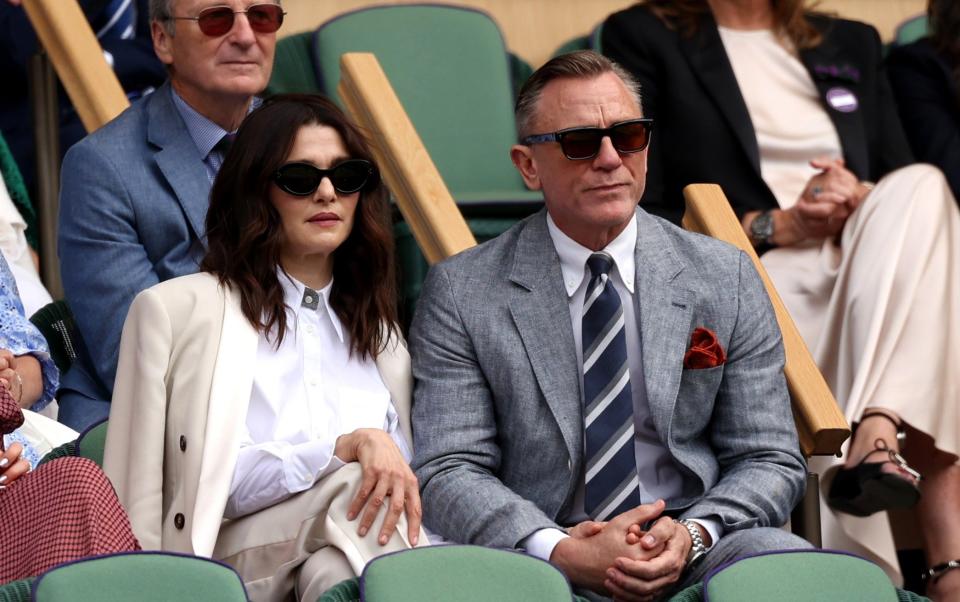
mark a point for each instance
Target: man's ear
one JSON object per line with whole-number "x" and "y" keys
{"x": 522, "y": 158}
{"x": 162, "y": 42}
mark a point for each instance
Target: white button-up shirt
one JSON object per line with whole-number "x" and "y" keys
{"x": 306, "y": 393}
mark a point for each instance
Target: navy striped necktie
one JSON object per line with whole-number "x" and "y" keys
{"x": 612, "y": 484}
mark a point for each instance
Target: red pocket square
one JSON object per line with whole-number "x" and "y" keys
{"x": 705, "y": 350}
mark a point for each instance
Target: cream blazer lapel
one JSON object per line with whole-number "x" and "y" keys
{"x": 230, "y": 390}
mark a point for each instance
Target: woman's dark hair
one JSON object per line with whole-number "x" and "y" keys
{"x": 945, "y": 32}
{"x": 790, "y": 18}
{"x": 245, "y": 233}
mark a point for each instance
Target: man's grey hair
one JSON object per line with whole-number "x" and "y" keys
{"x": 583, "y": 64}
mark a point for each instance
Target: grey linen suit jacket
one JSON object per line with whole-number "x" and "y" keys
{"x": 497, "y": 415}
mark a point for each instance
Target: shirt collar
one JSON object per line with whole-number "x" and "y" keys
{"x": 294, "y": 296}
{"x": 204, "y": 132}
{"x": 573, "y": 256}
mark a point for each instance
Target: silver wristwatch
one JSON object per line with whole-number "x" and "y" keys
{"x": 761, "y": 228}
{"x": 697, "y": 547}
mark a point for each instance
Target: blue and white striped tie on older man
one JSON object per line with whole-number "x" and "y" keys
{"x": 612, "y": 485}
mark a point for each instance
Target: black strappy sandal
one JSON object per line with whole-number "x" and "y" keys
{"x": 934, "y": 573}
{"x": 866, "y": 489}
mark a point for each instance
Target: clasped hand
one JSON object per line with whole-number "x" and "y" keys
{"x": 385, "y": 474}
{"x": 619, "y": 558}
{"x": 827, "y": 201}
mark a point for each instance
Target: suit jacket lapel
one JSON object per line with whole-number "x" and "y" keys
{"x": 230, "y": 389}
{"x": 708, "y": 59}
{"x": 665, "y": 310}
{"x": 178, "y": 158}
{"x": 542, "y": 316}
{"x": 849, "y": 125}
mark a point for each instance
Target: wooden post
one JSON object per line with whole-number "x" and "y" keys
{"x": 820, "y": 424}
{"x": 75, "y": 53}
{"x": 420, "y": 193}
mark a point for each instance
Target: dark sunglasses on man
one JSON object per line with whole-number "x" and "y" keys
{"x": 581, "y": 143}
{"x": 216, "y": 21}
{"x": 347, "y": 177}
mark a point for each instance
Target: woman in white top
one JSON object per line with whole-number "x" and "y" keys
{"x": 261, "y": 407}
{"x": 790, "y": 112}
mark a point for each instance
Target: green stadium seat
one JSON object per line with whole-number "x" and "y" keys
{"x": 141, "y": 576}
{"x": 293, "y": 69}
{"x": 452, "y": 73}
{"x": 911, "y": 30}
{"x": 457, "y": 573}
{"x": 10, "y": 174}
{"x": 801, "y": 575}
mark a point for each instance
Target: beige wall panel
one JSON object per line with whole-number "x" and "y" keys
{"x": 535, "y": 28}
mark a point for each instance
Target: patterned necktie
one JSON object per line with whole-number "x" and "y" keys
{"x": 612, "y": 485}
{"x": 118, "y": 20}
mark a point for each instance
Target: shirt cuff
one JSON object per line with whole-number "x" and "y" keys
{"x": 712, "y": 527}
{"x": 305, "y": 463}
{"x": 540, "y": 544}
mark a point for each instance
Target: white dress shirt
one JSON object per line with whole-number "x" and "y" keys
{"x": 306, "y": 393}
{"x": 659, "y": 475}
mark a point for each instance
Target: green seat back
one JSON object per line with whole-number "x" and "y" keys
{"x": 452, "y": 73}
{"x": 800, "y": 576}
{"x": 91, "y": 442}
{"x": 462, "y": 574}
{"x": 141, "y": 576}
{"x": 293, "y": 69}
{"x": 413, "y": 266}
{"x": 55, "y": 322}
{"x": 911, "y": 30}
{"x": 16, "y": 591}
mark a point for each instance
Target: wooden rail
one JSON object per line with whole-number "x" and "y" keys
{"x": 820, "y": 424}
{"x": 420, "y": 192}
{"x": 78, "y": 59}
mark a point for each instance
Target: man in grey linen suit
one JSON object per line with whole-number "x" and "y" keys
{"x": 503, "y": 450}
{"x": 134, "y": 193}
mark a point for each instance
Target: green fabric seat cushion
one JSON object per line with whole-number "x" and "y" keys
{"x": 141, "y": 576}
{"x": 463, "y": 574}
{"x": 800, "y": 576}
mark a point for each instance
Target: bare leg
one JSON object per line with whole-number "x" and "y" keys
{"x": 869, "y": 432}
{"x": 938, "y": 511}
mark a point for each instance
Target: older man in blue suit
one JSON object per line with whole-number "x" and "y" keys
{"x": 134, "y": 193}
{"x": 596, "y": 386}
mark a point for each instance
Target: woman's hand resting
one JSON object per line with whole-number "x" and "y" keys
{"x": 12, "y": 465}
{"x": 385, "y": 473}
{"x": 825, "y": 204}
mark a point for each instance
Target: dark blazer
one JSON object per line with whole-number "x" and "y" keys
{"x": 929, "y": 102}
{"x": 703, "y": 131}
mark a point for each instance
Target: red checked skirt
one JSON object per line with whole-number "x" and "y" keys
{"x": 65, "y": 510}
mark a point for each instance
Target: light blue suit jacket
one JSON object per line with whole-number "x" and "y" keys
{"x": 133, "y": 203}
{"x": 497, "y": 414}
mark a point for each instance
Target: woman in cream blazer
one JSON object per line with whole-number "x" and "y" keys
{"x": 219, "y": 442}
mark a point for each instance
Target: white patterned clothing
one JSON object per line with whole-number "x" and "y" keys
{"x": 880, "y": 310}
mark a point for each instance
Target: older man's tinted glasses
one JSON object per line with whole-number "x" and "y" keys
{"x": 303, "y": 179}
{"x": 584, "y": 143}
{"x": 218, "y": 20}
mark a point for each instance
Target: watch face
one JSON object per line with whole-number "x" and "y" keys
{"x": 761, "y": 228}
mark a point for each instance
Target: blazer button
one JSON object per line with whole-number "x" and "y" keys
{"x": 178, "y": 521}
{"x": 183, "y": 443}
